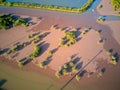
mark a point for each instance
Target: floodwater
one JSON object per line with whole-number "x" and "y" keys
{"x": 17, "y": 79}
{"x": 65, "y": 3}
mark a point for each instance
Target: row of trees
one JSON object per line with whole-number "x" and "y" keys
{"x": 7, "y": 21}
{"x": 50, "y": 7}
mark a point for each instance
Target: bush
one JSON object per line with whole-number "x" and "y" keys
{"x": 58, "y": 74}
{"x": 74, "y": 69}
{"x": 78, "y": 77}
{"x": 71, "y": 64}
{"x": 65, "y": 71}
{"x": 50, "y": 53}
{"x": 30, "y": 36}
{"x": 100, "y": 73}
{"x": 36, "y": 51}
{"x": 42, "y": 65}
{"x": 6, "y": 21}
{"x": 85, "y": 31}
{"x": 65, "y": 66}
{"x": 20, "y": 63}
{"x": 108, "y": 52}
{"x": 70, "y": 36}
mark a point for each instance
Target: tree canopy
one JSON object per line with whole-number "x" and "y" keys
{"x": 8, "y": 21}
{"x": 116, "y": 4}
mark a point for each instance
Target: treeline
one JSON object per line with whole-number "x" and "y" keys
{"x": 116, "y": 4}
{"x": 49, "y": 7}
{"x": 8, "y": 21}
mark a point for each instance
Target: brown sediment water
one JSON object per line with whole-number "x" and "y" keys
{"x": 28, "y": 78}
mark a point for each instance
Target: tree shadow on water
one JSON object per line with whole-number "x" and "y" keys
{"x": 79, "y": 65}
{"x": 3, "y": 51}
{"x": 76, "y": 60}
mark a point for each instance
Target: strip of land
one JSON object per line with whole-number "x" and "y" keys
{"x": 50, "y": 7}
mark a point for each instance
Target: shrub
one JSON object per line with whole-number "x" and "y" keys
{"x": 85, "y": 31}
{"x": 65, "y": 71}
{"x": 42, "y": 65}
{"x": 50, "y": 53}
{"x": 58, "y": 74}
{"x": 114, "y": 62}
{"x": 65, "y": 66}
{"x": 74, "y": 69}
{"x": 70, "y": 36}
{"x": 108, "y": 52}
{"x": 20, "y": 63}
{"x": 71, "y": 64}
{"x": 99, "y": 6}
{"x": 78, "y": 77}
{"x": 36, "y": 51}
{"x": 100, "y": 73}
{"x": 37, "y": 38}
{"x": 30, "y": 36}
{"x": 9, "y": 51}
{"x": 6, "y": 21}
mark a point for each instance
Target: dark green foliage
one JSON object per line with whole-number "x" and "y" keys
{"x": 70, "y": 35}
{"x": 20, "y": 21}
{"x": 116, "y": 4}
{"x": 20, "y": 63}
{"x": 7, "y": 21}
{"x": 2, "y": 0}
{"x": 51, "y": 7}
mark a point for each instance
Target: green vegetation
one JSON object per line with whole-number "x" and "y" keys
{"x": 20, "y": 21}
{"x": 74, "y": 69}
{"x": 116, "y": 4}
{"x": 30, "y": 36}
{"x": 100, "y": 41}
{"x": 36, "y": 52}
{"x": 100, "y": 73}
{"x": 42, "y": 65}
{"x": 71, "y": 36}
{"x": 20, "y": 63}
{"x": 58, "y": 74}
{"x": 78, "y": 77}
{"x": 99, "y": 6}
{"x": 71, "y": 64}
{"x": 16, "y": 47}
{"x": 109, "y": 52}
{"x": 7, "y": 21}
{"x": 50, "y": 53}
{"x": 50, "y": 7}
{"x": 2, "y": 1}
{"x": 85, "y": 31}
{"x": 62, "y": 42}
{"x": 101, "y": 19}
{"x": 114, "y": 60}
{"x": 65, "y": 71}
